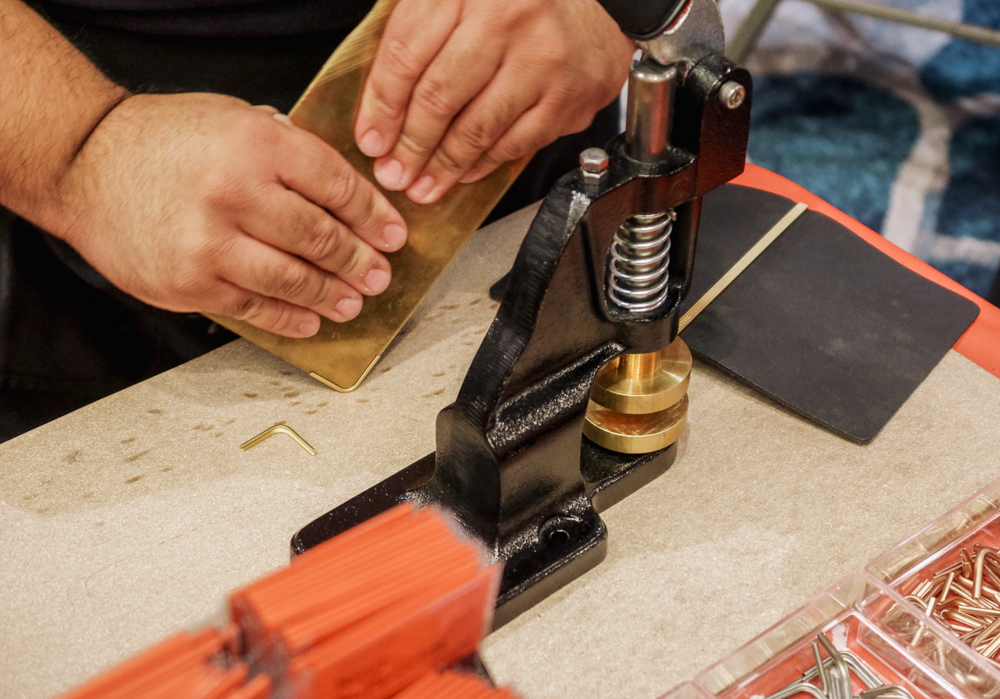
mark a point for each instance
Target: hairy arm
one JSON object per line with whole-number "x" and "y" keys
{"x": 52, "y": 100}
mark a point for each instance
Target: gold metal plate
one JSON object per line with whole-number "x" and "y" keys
{"x": 341, "y": 354}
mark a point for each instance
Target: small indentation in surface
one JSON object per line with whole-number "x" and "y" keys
{"x": 360, "y": 400}
{"x": 73, "y": 457}
{"x": 435, "y": 393}
{"x": 134, "y": 479}
{"x": 154, "y": 411}
{"x": 249, "y": 394}
{"x": 136, "y": 456}
{"x": 558, "y": 537}
{"x": 292, "y": 394}
{"x": 128, "y": 441}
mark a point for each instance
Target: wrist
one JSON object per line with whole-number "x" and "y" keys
{"x": 54, "y": 203}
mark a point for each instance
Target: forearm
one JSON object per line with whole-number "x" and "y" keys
{"x": 51, "y": 99}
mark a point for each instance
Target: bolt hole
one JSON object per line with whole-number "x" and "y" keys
{"x": 557, "y": 537}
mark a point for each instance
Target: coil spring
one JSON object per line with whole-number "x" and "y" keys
{"x": 638, "y": 269}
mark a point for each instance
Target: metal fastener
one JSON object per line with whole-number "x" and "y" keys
{"x": 594, "y": 163}
{"x": 280, "y": 428}
{"x": 732, "y": 94}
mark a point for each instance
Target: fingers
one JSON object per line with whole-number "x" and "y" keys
{"x": 287, "y": 221}
{"x": 279, "y": 317}
{"x": 533, "y": 130}
{"x": 307, "y": 165}
{"x": 474, "y": 132}
{"x": 280, "y": 293}
{"x": 414, "y": 35}
{"x": 464, "y": 66}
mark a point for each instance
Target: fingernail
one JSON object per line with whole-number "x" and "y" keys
{"x": 394, "y": 236}
{"x": 283, "y": 118}
{"x": 389, "y": 174}
{"x": 309, "y": 328}
{"x": 348, "y": 308}
{"x": 422, "y": 188}
{"x": 371, "y": 144}
{"x": 377, "y": 280}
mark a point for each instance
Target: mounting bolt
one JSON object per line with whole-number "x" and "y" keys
{"x": 732, "y": 94}
{"x": 594, "y": 163}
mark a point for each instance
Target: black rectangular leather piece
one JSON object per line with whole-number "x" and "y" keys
{"x": 821, "y": 321}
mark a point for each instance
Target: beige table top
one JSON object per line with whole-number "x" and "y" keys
{"x": 133, "y": 517}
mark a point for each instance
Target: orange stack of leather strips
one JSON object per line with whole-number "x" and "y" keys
{"x": 370, "y": 612}
{"x": 380, "y": 611}
{"x": 194, "y": 666}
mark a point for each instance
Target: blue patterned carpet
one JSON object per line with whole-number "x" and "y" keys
{"x": 898, "y": 127}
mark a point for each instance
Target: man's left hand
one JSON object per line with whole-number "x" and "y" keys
{"x": 460, "y": 86}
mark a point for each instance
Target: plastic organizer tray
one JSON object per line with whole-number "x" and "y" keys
{"x": 937, "y": 546}
{"x": 860, "y": 615}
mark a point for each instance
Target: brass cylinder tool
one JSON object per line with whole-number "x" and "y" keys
{"x": 638, "y": 403}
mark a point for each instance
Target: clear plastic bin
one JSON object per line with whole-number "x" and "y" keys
{"x": 869, "y": 621}
{"x": 938, "y": 546}
{"x": 688, "y": 690}
{"x": 937, "y": 539}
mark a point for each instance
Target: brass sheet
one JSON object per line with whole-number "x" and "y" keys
{"x": 341, "y": 354}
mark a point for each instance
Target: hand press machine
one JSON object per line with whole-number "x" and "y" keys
{"x": 527, "y": 457}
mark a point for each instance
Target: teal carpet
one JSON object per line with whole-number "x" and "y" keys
{"x": 896, "y": 126}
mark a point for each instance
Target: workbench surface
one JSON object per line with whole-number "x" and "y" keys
{"x": 133, "y": 517}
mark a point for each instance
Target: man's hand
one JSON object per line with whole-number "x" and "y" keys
{"x": 200, "y": 202}
{"x": 460, "y": 86}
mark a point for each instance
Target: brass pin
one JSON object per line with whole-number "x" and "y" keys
{"x": 280, "y": 428}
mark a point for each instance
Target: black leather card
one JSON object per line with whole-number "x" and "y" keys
{"x": 821, "y": 322}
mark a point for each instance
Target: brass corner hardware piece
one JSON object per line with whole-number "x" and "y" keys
{"x": 341, "y": 389}
{"x": 279, "y": 429}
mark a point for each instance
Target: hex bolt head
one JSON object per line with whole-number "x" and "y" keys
{"x": 732, "y": 94}
{"x": 594, "y": 163}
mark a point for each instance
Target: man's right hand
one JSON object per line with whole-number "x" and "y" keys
{"x": 200, "y": 202}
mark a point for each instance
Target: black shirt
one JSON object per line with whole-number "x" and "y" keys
{"x": 212, "y": 18}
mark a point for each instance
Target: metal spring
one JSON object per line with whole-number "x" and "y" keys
{"x": 638, "y": 270}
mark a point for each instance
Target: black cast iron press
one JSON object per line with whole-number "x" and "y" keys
{"x": 593, "y": 304}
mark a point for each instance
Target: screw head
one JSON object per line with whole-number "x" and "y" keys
{"x": 594, "y": 161}
{"x": 732, "y": 94}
